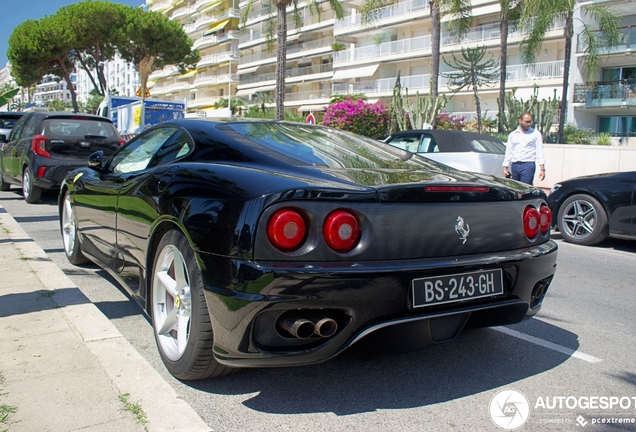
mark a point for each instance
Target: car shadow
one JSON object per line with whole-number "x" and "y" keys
{"x": 358, "y": 381}
{"x": 609, "y": 243}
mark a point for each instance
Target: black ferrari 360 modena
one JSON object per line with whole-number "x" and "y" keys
{"x": 262, "y": 243}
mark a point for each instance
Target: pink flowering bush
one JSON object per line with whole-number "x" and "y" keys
{"x": 358, "y": 116}
{"x": 445, "y": 121}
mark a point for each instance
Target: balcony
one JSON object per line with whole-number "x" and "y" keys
{"x": 215, "y": 59}
{"x": 292, "y": 50}
{"x": 161, "y": 6}
{"x": 315, "y": 97}
{"x": 626, "y": 43}
{"x": 607, "y": 94}
{"x": 176, "y": 87}
{"x": 210, "y": 40}
{"x": 182, "y": 12}
{"x": 291, "y": 73}
{"x": 413, "y": 46}
{"x": 545, "y": 70}
{"x": 416, "y": 46}
{"x": 402, "y": 9}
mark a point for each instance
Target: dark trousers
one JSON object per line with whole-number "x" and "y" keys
{"x": 523, "y": 171}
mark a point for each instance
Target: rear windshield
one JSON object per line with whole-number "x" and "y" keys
{"x": 78, "y": 128}
{"x": 322, "y": 146}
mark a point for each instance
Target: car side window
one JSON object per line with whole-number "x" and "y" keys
{"x": 409, "y": 143}
{"x": 428, "y": 145}
{"x": 177, "y": 146}
{"x": 16, "y": 132}
{"x": 30, "y": 126}
{"x": 136, "y": 156}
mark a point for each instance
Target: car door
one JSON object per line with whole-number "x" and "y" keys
{"x": 143, "y": 174}
{"x": 619, "y": 193}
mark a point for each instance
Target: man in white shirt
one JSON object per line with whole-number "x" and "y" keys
{"x": 524, "y": 150}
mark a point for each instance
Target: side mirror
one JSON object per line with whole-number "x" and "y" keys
{"x": 3, "y": 138}
{"x": 95, "y": 160}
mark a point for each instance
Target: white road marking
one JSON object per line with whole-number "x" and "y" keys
{"x": 544, "y": 343}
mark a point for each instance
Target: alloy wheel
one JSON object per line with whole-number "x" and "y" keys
{"x": 579, "y": 219}
{"x": 171, "y": 302}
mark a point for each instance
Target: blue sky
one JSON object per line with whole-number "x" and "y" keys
{"x": 15, "y": 12}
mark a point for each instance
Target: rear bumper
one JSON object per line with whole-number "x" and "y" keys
{"x": 54, "y": 174}
{"x": 245, "y": 300}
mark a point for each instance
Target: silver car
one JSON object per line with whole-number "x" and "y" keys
{"x": 466, "y": 151}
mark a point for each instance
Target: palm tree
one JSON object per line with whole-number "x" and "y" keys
{"x": 459, "y": 11}
{"x": 280, "y": 36}
{"x": 539, "y": 15}
{"x": 508, "y": 7}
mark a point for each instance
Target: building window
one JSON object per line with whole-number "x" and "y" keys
{"x": 618, "y": 126}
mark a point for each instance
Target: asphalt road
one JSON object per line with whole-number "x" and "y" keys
{"x": 575, "y": 360}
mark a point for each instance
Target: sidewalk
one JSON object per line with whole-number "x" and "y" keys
{"x": 63, "y": 365}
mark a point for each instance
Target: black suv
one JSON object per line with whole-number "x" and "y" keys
{"x": 44, "y": 146}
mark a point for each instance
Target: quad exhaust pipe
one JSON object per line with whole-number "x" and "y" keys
{"x": 304, "y": 328}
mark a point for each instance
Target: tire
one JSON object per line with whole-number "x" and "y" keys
{"x": 68, "y": 226}
{"x": 30, "y": 192}
{"x": 180, "y": 317}
{"x": 582, "y": 220}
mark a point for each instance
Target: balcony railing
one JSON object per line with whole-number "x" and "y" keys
{"x": 216, "y": 38}
{"x": 399, "y": 9}
{"x": 423, "y": 43}
{"x": 615, "y": 93}
{"x": 293, "y": 72}
{"x": 627, "y": 38}
{"x": 315, "y": 95}
{"x": 415, "y": 83}
{"x": 291, "y": 49}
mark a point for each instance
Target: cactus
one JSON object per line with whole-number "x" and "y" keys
{"x": 407, "y": 114}
{"x": 543, "y": 111}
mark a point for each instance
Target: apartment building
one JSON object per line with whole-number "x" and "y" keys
{"x": 53, "y": 88}
{"x": 121, "y": 76}
{"x": 608, "y": 104}
{"x": 213, "y": 26}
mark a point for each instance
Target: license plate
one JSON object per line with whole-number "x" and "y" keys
{"x": 457, "y": 287}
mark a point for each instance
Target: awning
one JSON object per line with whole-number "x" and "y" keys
{"x": 363, "y": 72}
{"x": 305, "y": 108}
{"x": 216, "y": 27}
{"x": 247, "y": 70}
{"x": 188, "y": 74}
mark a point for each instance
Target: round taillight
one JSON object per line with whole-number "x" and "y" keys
{"x": 286, "y": 229}
{"x": 531, "y": 222}
{"x": 546, "y": 218}
{"x": 341, "y": 230}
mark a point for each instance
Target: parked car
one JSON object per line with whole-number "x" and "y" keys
{"x": 44, "y": 146}
{"x": 8, "y": 120}
{"x": 466, "y": 151}
{"x": 590, "y": 208}
{"x": 259, "y": 243}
